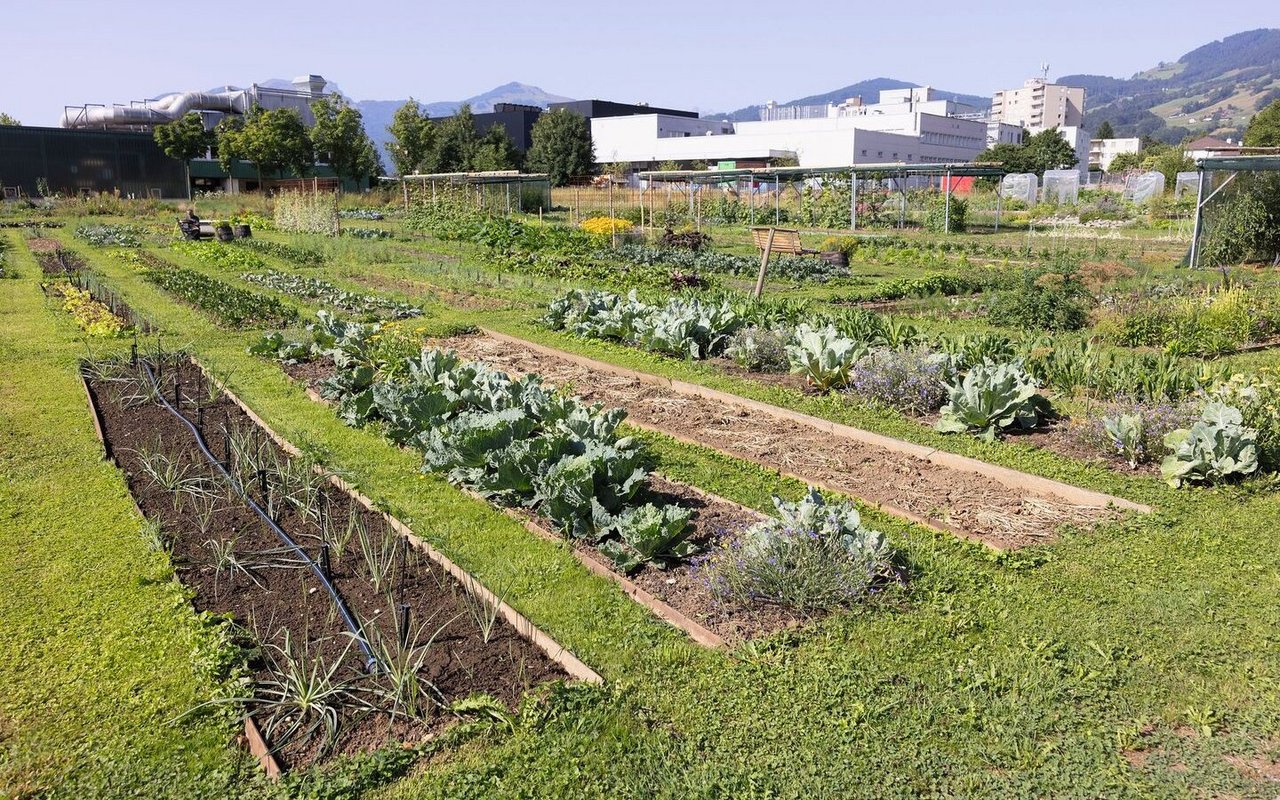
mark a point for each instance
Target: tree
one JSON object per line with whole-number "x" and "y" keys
{"x": 340, "y": 136}
{"x": 1168, "y": 160}
{"x": 273, "y": 140}
{"x": 5, "y": 119}
{"x": 184, "y": 139}
{"x": 456, "y": 142}
{"x": 413, "y": 138}
{"x": 561, "y": 146}
{"x": 495, "y": 151}
{"x": 1105, "y": 131}
{"x": 1264, "y": 128}
{"x": 1048, "y": 150}
{"x": 1123, "y": 162}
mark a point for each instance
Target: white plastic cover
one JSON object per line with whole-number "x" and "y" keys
{"x": 1061, "y": 186}
{"x": 1186, "y": 182}
{"x": 1020, "y": 186}
{"x": 1142, "y": 187}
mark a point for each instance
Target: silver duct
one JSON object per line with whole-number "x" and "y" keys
{"x": 157, "y": 112}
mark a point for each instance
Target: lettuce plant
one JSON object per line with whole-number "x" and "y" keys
{"x": 1217, "y": 446}
{"x": 991, "y": 398}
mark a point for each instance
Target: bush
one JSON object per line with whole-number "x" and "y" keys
{"x": 759, "y": 350}
{"x": 937, "y": 218}
{"x": 911, "y": 381}
{"x": 813, "y": 556}
{"x": 1043, "y": 301}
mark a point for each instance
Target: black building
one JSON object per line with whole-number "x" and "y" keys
{"x": 592, "y": 109}
{"x": 516, "y": 119}
{"x": 76, "y": 161}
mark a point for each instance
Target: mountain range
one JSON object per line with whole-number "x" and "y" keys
{"x": 1214, "y": 89}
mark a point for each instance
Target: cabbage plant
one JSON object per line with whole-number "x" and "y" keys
{"x": 1217, "y": 446}
{"x": 823, "y": 356}
{"x": 991, "y": 398}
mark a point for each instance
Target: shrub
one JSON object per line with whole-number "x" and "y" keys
{"x": 938, "y": 219}
{"x": 759, "y": 350}
{"x": 813, "y": 556}
{"x": 1043, "y": 301}
{"x": 911, "y": 381}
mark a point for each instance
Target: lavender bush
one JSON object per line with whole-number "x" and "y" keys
{"x": 813, "y": 556}
{"x": 912, "y": 381}
{"x": 1134, "y": 429}
{"x": 759, "y": 350}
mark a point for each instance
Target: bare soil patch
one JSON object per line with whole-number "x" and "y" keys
{"x": 965, "y": 502}
{"x": 274, "y": 593}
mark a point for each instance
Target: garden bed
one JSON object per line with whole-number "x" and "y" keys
{"x": 270, "y": 591}
{"x": 676, "y": 594}
{"x": 999, "y": 507}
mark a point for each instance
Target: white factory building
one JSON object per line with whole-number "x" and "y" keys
{"x": 911, "y": 126}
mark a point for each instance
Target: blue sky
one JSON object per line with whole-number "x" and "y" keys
{"x": 712, "y": 56}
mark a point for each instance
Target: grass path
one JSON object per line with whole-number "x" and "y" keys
{"x": 100, "y": 649}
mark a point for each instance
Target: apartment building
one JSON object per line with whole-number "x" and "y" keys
{"x": 1039, "y": 105}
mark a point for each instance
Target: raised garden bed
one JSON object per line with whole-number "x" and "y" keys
{"x": 997, "y": 506}
{"x": 677, "y": 594}
{"x": 235, "y": 563}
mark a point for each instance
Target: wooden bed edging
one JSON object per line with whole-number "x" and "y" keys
{"x": 1012, "y": 478}
{"x": 525, "y": 627}
{"x": 252, "y": 736}
{"x": 660, "y": 609}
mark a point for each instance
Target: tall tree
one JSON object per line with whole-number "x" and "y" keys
{"x": 456, "y": 142}
{"x": 1264, "y": 128}
{"x": 1105, "y": 131}
{"x": 339, "y": 137}
{"x": 1048, "y": 150}
{"x": 5, "y": 119}
{"x": 413, "y": 138}
{"x": 274, "y": 140}
{"x": 1123, "y": 162}
{"x": 184, "y": 139}
{"x": 495, "y": 151}
{"x": 562, "y": 146}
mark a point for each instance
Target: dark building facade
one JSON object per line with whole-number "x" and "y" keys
{"x": 594, "y": 109}
{"x": 516, "y": 119}
{"x": 77, "y": 161}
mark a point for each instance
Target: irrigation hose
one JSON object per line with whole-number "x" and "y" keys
{"x": 371, "y": 661}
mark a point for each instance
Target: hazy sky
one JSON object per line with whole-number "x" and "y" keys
{"x": 710, "y": 56}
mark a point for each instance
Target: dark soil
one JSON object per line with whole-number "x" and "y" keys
{"x": 56, "y": 261}
{"x": 276, "y": 593}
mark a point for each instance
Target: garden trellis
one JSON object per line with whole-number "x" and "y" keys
{"x": 492, "y": 189}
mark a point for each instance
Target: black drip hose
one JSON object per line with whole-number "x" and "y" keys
{"x": 371, "y": 661}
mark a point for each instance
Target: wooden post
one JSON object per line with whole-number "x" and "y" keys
{"x": 613, "y": 231}
{"x": 853, "y": 200}
{"x": 405, "y": 184}
{"x": 764, "y": 264}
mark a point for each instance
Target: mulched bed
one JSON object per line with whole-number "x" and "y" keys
{"x": 280, "y": 595}
{"x": 678, "y": 585}
{"x": 954, "y": 499}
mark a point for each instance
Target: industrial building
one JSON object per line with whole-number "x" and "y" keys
{"x": 912, "y": 126}
{"x": 516, "y": 119}
{"x": 36, "y": 159}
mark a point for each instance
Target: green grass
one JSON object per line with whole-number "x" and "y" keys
{"x": 1137, "y": 660}
{"x": 102, "y": 653}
